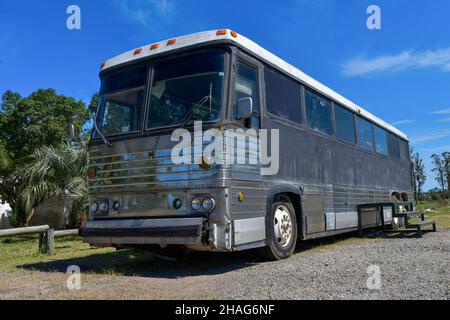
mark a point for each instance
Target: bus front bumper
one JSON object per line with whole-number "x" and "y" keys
{"x": 143, "y": 231}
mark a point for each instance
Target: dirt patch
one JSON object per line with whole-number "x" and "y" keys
{"x": 410, "y": 268}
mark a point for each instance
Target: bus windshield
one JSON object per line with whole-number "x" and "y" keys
{"x": 121, "y": 102}
{"x": 184, "y": 89}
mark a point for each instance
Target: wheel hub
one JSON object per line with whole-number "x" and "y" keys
{"x": 282, "y": 224}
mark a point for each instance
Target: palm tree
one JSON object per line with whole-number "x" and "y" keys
{"x": 51, "y": 171}
{"x": 5, "y": 160}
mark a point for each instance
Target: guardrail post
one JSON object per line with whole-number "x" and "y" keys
{"x": 42, "y": 245}
{"x": 47, "y": 242}
{"x": 46, "y": 236}
{"x": 51, "y": 241}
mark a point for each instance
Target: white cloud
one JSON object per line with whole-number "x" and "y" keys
{"x": 362, "y": 66}
{"x": 444, "y": 120}
{"x": 406, "y": 121}
{"x": 440, "y": 149}
{"x": 144, "y": 12}
{"x": 442, "y": 111}
{"x": 431, "y": 136}
{"x": 165, "y": 7}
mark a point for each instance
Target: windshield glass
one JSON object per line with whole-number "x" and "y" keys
{"x": 186, "y": 89}
{"x": 121, "y": 102}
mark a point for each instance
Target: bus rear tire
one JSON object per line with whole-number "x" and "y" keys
{"x": 281, "y": 230}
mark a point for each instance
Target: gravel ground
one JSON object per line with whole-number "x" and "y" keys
{"x": 410, "y": 268}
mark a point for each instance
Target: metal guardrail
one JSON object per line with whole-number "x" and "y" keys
{"x": 46, "y": 235}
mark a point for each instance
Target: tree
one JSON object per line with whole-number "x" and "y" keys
{"x": 439, "y": 171}
{"x": 446, "y": 159}
{"x": 27, "y": 124}
{"x": 92, "y": 107}
{"x": 40, "y": 119}
{"x": 418, "y": 174}
{"x": 53, "y": 171}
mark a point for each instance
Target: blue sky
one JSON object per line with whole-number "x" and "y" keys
{"x": 400, "y": 73}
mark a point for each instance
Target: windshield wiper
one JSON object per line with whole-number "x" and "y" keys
{"x": 105, "y": 141}
{"x": 197, "y": 106}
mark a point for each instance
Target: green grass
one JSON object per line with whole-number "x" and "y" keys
{"x": 438, "y": 212}
{"x": 44, "y": 276}
{"x": 23, "y": 253}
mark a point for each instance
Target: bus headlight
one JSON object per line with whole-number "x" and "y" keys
{"x": 116, "y": 206}
{"x": 103, "y": 207}
{"x": 208, "y": 204}
{"x": 94, "y": 207}
{"x": 177, "y": 204}
{"x": 196, "y": 204}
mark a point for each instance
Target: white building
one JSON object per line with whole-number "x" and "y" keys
{"x": 5, "y": 212}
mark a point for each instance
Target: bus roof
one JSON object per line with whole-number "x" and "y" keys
{"x": 227, "y": 36}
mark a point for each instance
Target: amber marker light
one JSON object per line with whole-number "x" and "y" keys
{"x": 154, "y": 46}
{"x": 91, "y": 172}
{"x": 102, "y": 65}
{"x": 171, "y": 42}
{"x": 137, "y": 51}
{"x": 233, "y": 34}
{"x": 205, "y": 162}
{"x": 221, "y": 32}
{"x": 241, "y": 196}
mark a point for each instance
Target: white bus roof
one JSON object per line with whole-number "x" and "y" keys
{"x": 225, "y": 35}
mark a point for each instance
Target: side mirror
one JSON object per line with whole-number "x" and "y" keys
{"x": 244, "y": 108}
{"x": 71, "y": 132}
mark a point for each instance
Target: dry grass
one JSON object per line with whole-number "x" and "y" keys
{"x": 438, "y": 212}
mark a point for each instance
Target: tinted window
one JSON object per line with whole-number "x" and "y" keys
{"x": 123, "y": 80}
{"x": 404, "y": 149}
{"x": 121, "y": 102}
{"x": 282, "y": 96}
{"x": 365, "y": 139}
{"x": 380, "y": 140}
{"x": 393, "y": 147}
{"x": 246, "y": 85}
{"x": 186, "y": 89}
{"x": 318, "y": 112}
{"x": 345, "y": 124}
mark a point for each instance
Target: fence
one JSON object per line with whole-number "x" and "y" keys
{"x": 46, "y": 236}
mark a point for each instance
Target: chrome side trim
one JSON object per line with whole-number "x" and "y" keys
{"x": 249, "y": 230}
{"x": 346, "y": 220}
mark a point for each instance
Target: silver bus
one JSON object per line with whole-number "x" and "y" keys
{"x": 333, "y": 154}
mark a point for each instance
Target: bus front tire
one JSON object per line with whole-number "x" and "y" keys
{"x": 281, "y": 230}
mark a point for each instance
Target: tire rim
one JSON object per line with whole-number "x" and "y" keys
{"x": 282, "y": 226}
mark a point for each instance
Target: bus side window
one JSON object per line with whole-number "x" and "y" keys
{"x": 246, "y": 85}
{"x": 381, "y": 144}
{"x": 345, "y": 124}
{"x": 404, "y": 150}
{"x": 365, "y": 134}
{"x": 393, "y": 146}
{"x": 283, "y": 96}
{"x": 318, "y": 112}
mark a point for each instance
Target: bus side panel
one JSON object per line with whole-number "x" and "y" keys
{"x": 335, "y": 177}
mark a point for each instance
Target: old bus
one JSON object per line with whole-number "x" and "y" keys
{"x": 333, "y": 154}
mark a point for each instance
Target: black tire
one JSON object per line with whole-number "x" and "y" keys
{"x": 277, "y": 247}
